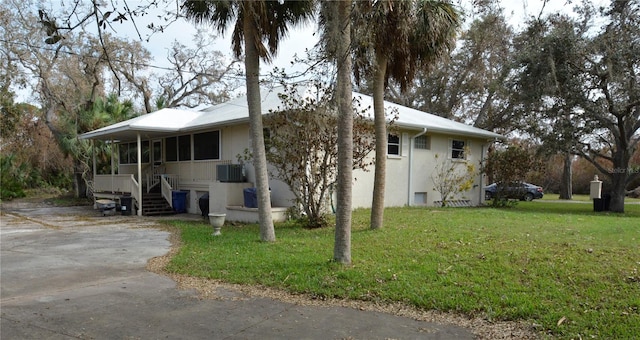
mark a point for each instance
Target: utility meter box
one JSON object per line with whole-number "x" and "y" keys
{"x": 595, "y": 191}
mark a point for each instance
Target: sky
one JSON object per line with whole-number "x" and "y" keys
{"x": 300, "y": 39}
{"x": 304, "y": 37}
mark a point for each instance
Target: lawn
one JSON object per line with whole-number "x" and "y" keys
{"x": 541, "y": 262}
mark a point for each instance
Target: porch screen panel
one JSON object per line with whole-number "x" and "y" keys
{"x": 171, "y": 149}
{"x": 184, "y": 148}
{"x": 145, "y": 151}
{"x": 206, "y": 145}
{"x": 133, "y": 153}
{"x": 123, "y": 153}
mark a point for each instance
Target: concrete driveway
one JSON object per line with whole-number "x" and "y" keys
{"x": 70, "y": 273}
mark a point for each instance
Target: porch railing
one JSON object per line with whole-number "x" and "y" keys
{"x": 169, "y": 183}
{"x": 134, "y": 191}
{"x": 152, "y": 176}
{"x": 114, "y": 183}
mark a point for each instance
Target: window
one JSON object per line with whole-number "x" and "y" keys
{"x": 420, "y": 198}
{"x": 128, "y": 152}
{"x": 178, "y": 148}
{"x": 171, "y": 149}
{"x": 457, "y": 149}
{"x": 206, "y": 145}
{"x": 422, "y": 142}
{"x": 393, "y": 145}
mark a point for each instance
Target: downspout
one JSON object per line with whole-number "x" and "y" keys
{"x": 139, "y": 175}
{"x": 411, "y": 144}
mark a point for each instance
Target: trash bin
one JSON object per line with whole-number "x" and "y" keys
{"x": 598, "y": 204}
{"x": 602, "y": 204}
{"x": 203, "y": 203}
{"x": 179, "y": 199}
{"x": 126, "y": 205}
{"x": 250, "y": 198}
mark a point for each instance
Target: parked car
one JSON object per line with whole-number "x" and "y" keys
{"x": 519, "y": 190}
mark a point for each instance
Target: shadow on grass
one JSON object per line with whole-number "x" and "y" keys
{"x": 573, "y": 208}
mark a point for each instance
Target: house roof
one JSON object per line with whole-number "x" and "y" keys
{"x": 176, "y": 121}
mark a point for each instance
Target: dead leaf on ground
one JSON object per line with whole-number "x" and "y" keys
{"x": 562, "y": 319}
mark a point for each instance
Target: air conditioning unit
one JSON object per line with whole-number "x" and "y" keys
{"x": 230, "y": 173}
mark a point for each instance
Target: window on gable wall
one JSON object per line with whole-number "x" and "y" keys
{"x": 422, "y": 142}
{"x": 393, "y": 145}
{"x": 457, "y": 149}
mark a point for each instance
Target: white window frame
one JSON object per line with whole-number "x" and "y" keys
{"x": 458, "y": 151}
{"x": 398, "y": 144}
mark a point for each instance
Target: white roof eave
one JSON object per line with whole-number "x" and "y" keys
{"x": 480, "y": 134}
{"x": 171, "y": 121}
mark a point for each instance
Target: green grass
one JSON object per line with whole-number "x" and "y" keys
{"x": 538, "y": 262}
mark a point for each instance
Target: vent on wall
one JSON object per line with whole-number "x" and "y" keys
{"x": 230, "y": 173}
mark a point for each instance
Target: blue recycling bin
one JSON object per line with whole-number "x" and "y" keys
{"x": 179, "y": 200}
{"x": 250, "y": 197}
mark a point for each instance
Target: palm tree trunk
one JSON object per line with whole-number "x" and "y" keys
{"x": 252, "y": 68}
{"x": 342, "y": 246}
{"x": 377, "y": 206}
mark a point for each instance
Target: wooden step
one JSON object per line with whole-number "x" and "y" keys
{"x": 155, "y": 204}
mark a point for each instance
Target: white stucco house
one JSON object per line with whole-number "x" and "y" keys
{"x": 194, "y": 152}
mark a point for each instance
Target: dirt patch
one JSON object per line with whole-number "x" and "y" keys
{"x": 214, "y": 289}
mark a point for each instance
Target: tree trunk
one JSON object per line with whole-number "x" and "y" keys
{"x": 618, "y": 191}
{"x": 377, "y": 205}
{"x": 79, "y": 185}
{"x": 566, "y": 187}
{"x": 342, "y": 246}
{"x": 252, "y": 68}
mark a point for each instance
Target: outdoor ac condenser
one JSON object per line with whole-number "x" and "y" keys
{"x": 229, "y": 173}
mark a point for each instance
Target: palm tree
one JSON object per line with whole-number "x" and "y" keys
{"x": 256, "y": 22}
{"x": 335, "y": 23}
{"x": 395, "y": 40}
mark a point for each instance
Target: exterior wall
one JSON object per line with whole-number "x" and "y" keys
{"x": 423, "y": 166}
{"x": 425, "y": 163}
{"x": 196, "y": 177}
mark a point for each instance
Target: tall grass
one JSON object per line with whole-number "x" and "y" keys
{"x": 540, "y": 262}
